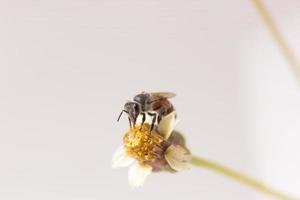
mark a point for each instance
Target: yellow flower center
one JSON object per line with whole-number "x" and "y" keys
{"x": 142, "y": 145}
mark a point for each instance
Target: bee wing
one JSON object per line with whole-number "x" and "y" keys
{"x": 155, "y": 96}
{"x": 163, "y": 94}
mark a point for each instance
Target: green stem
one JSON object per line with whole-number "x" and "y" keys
{"x": 278, "y": 37}
{"x": 200, "y": 162}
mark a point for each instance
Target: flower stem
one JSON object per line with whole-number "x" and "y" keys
{"x": 200, "y": 162}
{"x": 278, "y": 37}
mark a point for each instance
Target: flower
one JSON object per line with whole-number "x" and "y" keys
{"x": 145, "y": 152}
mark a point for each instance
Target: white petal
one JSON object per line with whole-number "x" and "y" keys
{"x": 120, "y": 159}
{"x": 138, "y": 174}
{"x": 178, "y": 157}
{"x": 167, "y": 124}
{"x": 148, "y": 119}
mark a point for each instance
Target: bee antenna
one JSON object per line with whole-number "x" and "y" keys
{"x": 121, "y": 114}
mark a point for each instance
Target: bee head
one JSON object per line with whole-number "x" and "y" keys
{"x": 133, "y": 109}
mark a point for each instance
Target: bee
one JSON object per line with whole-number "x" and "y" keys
{"x": 155, "y": 104}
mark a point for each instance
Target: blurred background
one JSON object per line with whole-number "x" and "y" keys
{"x": 67, "y": 67}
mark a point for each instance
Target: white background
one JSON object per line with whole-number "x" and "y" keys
{"x": 67, "y": 67}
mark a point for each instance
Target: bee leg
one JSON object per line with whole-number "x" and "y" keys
{"x": 143, "y": 119}
{"x": 160, "y": 114}
{"x": 154, "y": 115}
{"x": 130, "y": 124}
{"x": 158, "y": 118}
{"x": 133, "y": 124}
{"x": 153, "y": 122}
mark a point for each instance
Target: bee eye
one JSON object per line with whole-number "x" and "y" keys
{"x": 136, "y": 107}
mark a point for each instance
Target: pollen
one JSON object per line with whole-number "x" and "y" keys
{"x": 142, "y": 145}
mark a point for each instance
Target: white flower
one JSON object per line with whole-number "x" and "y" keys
{"x": 144, "y": 151}
{"x": 137, "y": 172}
